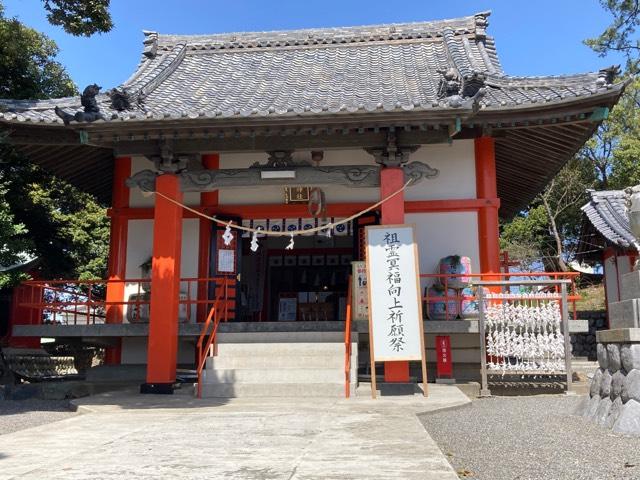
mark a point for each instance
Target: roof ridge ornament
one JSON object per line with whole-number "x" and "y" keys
{"x": 455, "y": 91}
{"x": 606, "y": 76}
{"x": 482, "y": 22}
{"x": 88, "y": 101}
{"x": 150, "y": 43}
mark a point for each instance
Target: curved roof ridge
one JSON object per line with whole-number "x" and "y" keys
{"x": 475, "y": 24}
{"x": 606, "y": 211}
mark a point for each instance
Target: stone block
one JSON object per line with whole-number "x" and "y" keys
{"x": 614, "y": 412}
{"x": 596, "y": 381}
{"x": 630, "y": 356}
{"x": 605, "y": 385}
{"x": 613, "y": 357}
{"x": 617, "y": 380}
{"x": 628, "y": 421}
{"x": 592, "y": 407}
{"x": 631, "y": 387}
{"x": 624, "y": 314}
{"x": 630, "y": 285}
{"x": 603, "y": 361}
{"x": 603, "y": 411}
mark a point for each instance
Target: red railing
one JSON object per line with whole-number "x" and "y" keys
{"x": 451, "y": 299}
{"x": 219, "y": 312}
{"x": 347, "y": 344}
{"x": 86, "y": 302}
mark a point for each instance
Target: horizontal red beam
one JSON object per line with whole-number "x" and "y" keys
{"x": 301, "y": 210}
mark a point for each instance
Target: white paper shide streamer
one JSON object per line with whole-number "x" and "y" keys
{"x": 524, "y": 335}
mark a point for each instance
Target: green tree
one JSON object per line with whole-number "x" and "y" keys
{"x": 620, "y": 36}
{"x": 40, "y": 215}
{"x": 549, "y": 228}
{"x": 546, "y": 233}
{"x": 80, "y": 17}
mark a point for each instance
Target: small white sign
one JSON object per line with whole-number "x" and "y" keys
{"x": 360, "y": 295}
{"x": 395, "y": 310}
{"x": 226, "y": 261}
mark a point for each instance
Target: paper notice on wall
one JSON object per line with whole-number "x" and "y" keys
{"x": 226, "y": 261}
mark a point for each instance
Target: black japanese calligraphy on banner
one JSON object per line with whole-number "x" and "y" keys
{"x": 395, "y": 309}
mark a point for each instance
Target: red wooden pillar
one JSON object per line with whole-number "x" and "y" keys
{"x": 208, "y": 200}
{"x": 391, "y": 180}
{"x": 486, "y": 188}
{"x": 165, "y": 288}
{"x": 117, "y": 252}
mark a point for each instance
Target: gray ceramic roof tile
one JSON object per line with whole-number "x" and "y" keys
{"x": 380, "y": 68}
{"x": 607, "y": 212}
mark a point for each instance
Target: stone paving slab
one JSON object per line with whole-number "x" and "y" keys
{"x": 125, "y": 435}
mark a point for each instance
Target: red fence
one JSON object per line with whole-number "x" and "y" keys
{"x": 452, "y": 296}
{"x": 84, "y": 302}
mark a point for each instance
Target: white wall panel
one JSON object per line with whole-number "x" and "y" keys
{"x": 456, "y": 163}
{"x": 442, "y": 234}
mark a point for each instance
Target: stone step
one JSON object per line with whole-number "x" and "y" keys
{"x": 281, "y": 349}
{"x": 332, "y": 360}
{"x": 281, "y": 337}
{"x": 273, "y": 376}
{"x": 231, "y": 390}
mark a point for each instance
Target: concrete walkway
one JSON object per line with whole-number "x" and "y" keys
{"x": 125, "y": 435}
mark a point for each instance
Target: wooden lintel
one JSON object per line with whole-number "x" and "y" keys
{"x": 269, "y": 143}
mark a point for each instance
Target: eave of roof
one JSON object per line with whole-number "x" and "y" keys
{"x": 607, "y": 212}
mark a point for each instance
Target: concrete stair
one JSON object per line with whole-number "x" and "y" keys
{"x": 279, "y": 364}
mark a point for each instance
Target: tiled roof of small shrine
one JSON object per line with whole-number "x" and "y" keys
{"x": 447, "y": 65}
{"x": 607, "y": 213}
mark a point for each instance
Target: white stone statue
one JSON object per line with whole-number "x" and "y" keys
{"x": 633, "y": 212}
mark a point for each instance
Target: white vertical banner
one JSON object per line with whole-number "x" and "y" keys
{"x": 395, "y": 307}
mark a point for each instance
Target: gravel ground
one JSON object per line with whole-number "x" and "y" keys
{"x": 531, "y": 438}
{"x": 20, "y": 414}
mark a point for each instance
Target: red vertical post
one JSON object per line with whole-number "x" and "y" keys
{"x": 392, "y": 180}
{"x": 117, "y": 252}
{"x": 208, "y": 200}
{"x": 486, "y": 188}
{"x": 165, "y": 288}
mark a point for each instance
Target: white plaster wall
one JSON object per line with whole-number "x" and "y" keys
{"x": 456, "y": 180}
{"x": 137, "y": 200}
{"x": 457, "y": 177}
{"x": 442, "y": 234}
{"x": 140, "y": 247}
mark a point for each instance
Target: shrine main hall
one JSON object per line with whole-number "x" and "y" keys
{"x": 311, "y": 136}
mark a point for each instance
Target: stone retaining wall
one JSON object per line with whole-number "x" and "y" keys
{"x": 584, "y": 344}
{"x": 614, "y": 396}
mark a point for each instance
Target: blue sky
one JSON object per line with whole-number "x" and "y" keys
{"x": 540, "y": 37}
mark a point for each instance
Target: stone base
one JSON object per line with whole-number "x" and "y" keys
{"x": 614, "y": 395}
{"x": 446, "y": 381}
{"x": 157, "y": 388}
{"x": 624, "y": 314}
{"x": 630, "y": 285}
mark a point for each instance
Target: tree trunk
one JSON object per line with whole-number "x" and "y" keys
{"x": 554, "y": 230}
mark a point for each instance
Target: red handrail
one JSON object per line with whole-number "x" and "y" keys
{"x": 213, "y": 314}
{"x": 347, "y": 344}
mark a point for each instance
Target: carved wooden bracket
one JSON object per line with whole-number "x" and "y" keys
{"x": 348, "y": 175}
{"x": 392, "y": 155}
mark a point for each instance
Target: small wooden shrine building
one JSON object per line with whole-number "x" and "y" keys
{"x": 245, "y": 126}
{"x": 606, "y": 239}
